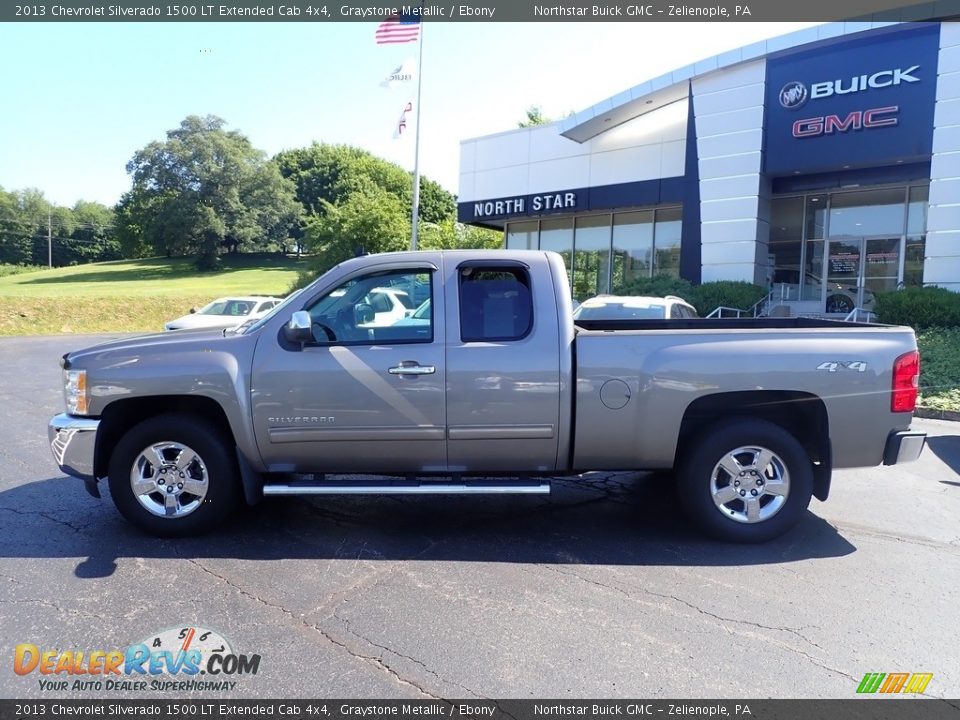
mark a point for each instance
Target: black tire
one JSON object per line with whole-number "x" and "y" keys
{"x": 696, "y": 482}
{"x": 217, "y": 464}
{"x": 839, "y": 304}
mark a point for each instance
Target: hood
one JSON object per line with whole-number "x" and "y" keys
{"x": 168, "y": 342}
{"x": 197, "y": 320}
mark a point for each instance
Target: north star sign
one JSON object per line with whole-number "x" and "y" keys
{"x": 530, "y": 204}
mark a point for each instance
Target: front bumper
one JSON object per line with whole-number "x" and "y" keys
{"x": 73, "y": 441}
{"x": 903, "y": 446}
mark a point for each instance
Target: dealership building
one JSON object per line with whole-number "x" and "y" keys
{"x": 824, "y": 164}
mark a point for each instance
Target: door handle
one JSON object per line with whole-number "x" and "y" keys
{"x": 410, "y": 367}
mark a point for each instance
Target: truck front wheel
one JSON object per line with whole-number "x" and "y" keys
{"x": 172, "y": 475}
{"x": 746, "y": 481}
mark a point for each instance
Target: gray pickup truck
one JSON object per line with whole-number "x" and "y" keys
{"x": 483, "y": 385}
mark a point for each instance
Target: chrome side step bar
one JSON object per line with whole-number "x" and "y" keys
{"x": 426, "y": 488}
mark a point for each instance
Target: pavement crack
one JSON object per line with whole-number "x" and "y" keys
{"x": 374, "y": 659}
{"x": 386, "y": 649}
{"x": 377, "y": 662}
{"x": 46, "y": 516}
{"x": 948, "y": 545}
{"x": 242, "y": 591}
{"x": 665, "y": 596}
{"x": 54, "y": 606}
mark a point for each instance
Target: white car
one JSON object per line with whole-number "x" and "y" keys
{"x": 225, "y": 312}
{"x": 621, "y": 307}
{"x": 387, "y": 305}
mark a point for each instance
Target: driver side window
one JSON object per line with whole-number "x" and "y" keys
{"x": 374, "y": 309}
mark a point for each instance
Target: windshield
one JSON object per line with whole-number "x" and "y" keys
{"x": 423, "y": 312}
{"x": 252, "y": 325}
{"x": 620, "y": 311}
{"x": 405, "y": 300}
{"x": 232, "y": 308}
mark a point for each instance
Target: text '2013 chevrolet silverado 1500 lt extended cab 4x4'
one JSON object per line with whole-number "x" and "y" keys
{"x": 488, "y": 377}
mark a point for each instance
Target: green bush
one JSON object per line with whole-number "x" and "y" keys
{"x": 658, "y": 286}
{"x": 940, "y": 368}
{"x": 726, "y": 293}
{"x": 919, "y": 307}
{"x": 705, "y": 298}
{"x": 7, "y": 269}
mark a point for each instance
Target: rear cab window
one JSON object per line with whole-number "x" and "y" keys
{"x": 496, "y": 303}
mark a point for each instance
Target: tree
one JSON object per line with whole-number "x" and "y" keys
{"x": 451, "y": 235}
{"x": 368, "y": 220}
{"x": 535, "y": 117}
{"x": 93, "y": 238}
{"x": 328, "y": 174}
{"x": 81, "y": 234}
{"x": 16, "y": 241}
{"x": 204, "y": 189}
{"x": 354, "y": 201}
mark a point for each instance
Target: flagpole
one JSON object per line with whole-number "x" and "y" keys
{"x": 416, "y": 147}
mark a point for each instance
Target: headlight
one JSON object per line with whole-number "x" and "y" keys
{"x": 75, "y": 391}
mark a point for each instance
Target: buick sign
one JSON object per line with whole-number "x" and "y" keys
{"x": 859, "y": 83}
{"x": 793, "y": 95}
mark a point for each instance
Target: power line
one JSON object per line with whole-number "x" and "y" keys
{"x": 42, "y": 238}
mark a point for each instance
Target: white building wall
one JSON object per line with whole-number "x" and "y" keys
{"x": 734, "y": 198}
{"x": 941, "y": 266}
{"x": 537, "y": 160}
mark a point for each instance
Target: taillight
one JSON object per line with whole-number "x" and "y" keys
{"x": 906, "y": 382}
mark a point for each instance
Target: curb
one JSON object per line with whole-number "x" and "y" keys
{"x": 933, "y": 414}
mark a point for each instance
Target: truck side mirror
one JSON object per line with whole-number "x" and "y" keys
{"x": 298, "y": 328}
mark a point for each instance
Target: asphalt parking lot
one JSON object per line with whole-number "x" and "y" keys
{"x": 600, "y": 590}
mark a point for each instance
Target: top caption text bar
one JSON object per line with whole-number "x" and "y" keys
{"x": 502, "y": 11}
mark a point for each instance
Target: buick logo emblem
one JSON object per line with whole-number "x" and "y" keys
{"x": 793, "y": 95}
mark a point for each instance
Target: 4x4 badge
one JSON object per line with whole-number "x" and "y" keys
{"x": 834, "y": 365}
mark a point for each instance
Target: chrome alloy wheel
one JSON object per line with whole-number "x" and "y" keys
{"x": 750, "y": 484}
{"x": 169, "y": 479}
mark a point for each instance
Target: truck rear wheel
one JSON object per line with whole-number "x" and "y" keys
{"x": 746, "y": 481}
{"x": 173, "y": 475}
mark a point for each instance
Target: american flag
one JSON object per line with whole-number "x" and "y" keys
{"x": 397, "y": 29}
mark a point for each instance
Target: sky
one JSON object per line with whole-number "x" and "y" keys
{"x": 79, "y": 99}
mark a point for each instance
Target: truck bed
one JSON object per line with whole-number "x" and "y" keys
{"x": 636, "y": 379}
{"x": 764, "y": 323}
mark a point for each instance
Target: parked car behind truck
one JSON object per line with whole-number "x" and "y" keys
{"x": 753, "y": 414}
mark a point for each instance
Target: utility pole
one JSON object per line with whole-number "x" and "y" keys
{"x": 49, "y": 239}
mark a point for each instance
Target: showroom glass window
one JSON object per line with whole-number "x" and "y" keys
{"x": 853, "y": 244}
{"x": 632, "y": 247}
{"x": 786, "y": 243}
{"x": 916, "y": 236}
{"x": 666, "y": 242}
{"x": 557, "y": 235}
{"x": 522, "y": 235}
{"x": 591, "y": 243}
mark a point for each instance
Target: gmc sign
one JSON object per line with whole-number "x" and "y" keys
{"x": 856, "y": 120}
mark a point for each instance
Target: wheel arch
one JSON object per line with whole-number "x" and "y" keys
{"x": 803, "y": 415}
{"x": 121, "y": 415}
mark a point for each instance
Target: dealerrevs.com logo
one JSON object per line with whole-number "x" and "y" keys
{"x": 185, "y": 659}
